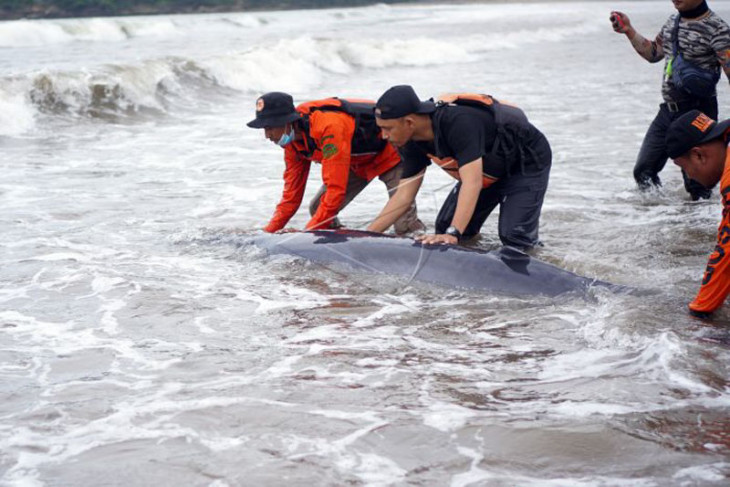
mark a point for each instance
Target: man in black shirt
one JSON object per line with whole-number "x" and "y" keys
{"x": 496, "y": 155}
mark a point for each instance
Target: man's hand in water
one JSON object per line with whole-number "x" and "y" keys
{"x": 700, "y": 314}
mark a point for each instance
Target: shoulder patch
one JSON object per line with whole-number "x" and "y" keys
{"x": 329, "y": 150}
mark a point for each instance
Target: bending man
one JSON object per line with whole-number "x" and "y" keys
{"x": 496, "y": 155}
{"x": 699, "y": 146}
{"x": 343, "y": 136}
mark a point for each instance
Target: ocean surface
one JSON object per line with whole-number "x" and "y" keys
{"x": 141, "y": 344}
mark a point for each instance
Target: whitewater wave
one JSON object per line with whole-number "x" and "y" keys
{"x": 158, "y": 86}
{"x": 296, "y": 65}
{"x": 34, "y": 33}
{"x": 111, "y": 92}
{"x": 16, "y": 116}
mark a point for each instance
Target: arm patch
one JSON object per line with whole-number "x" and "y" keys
{"x": 329, "y": 150}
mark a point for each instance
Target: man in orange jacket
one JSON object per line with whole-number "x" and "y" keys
{"x": 343, "y": 137}
{"x": 698, "y": 145}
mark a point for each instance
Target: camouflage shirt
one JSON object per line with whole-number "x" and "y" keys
{"x": 700, "y": 41}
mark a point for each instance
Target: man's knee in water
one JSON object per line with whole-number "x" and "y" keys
{"x": 646, "y": 179}
{"x": 409, "y": 226}
{"x": 519, "y": 240}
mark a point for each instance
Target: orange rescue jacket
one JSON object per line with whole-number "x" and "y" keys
{"x": 339, "y": 135}
{"x": 716, "y": 281}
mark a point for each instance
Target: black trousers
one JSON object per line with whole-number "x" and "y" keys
{"x": 653, "y": 154}
{"x": 519, "y": 197}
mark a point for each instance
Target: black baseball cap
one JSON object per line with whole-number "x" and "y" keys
{"x": 692, "y": 129}
{"x": 274, "y": 109}
{"x": 400, "y": 101}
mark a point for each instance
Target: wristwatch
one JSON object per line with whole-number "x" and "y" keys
{"x": 454, "y": 232}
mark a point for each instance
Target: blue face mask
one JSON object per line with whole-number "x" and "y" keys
{"x": 287, "y": 138}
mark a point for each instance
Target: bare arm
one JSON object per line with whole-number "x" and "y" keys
{"x": 471, "y": 186}
{"x": 652, "y": 51}
{"x": 398, "y": 204}
{"x": 724, "y": 58}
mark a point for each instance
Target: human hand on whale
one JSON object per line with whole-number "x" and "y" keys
{"x": 431, "y": 239}
{"x": 425, "y": 239}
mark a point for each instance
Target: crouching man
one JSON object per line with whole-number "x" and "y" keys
{"x": 342, "y": 136}
{"x": 495, "y": 154}
{"x": 698, "y": 145}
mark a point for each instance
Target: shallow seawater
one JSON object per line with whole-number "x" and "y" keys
{"x": 141, "y": 344}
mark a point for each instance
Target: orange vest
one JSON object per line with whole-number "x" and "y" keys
{"x": 366, "y": 137}
{"x": 504, "y": 113}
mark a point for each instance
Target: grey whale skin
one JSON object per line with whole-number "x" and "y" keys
{"x": 506, "y": 271}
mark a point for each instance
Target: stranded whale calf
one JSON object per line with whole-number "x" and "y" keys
{"x": 506, "y": 271}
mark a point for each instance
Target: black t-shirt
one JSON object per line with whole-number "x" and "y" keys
{"x": 462, "y": 132}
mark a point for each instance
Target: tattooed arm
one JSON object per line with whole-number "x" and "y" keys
{"x": 652, "y": 51}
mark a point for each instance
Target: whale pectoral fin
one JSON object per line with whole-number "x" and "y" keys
{"x": 515, "y": 259}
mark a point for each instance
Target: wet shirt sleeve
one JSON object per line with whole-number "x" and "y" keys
{"x": 295, "y": 182}
{"x": 333, "y": 134}
{"x": 413, "y": 159}
{"x": 716, "y": 281}
{"x": 720, "y": 43}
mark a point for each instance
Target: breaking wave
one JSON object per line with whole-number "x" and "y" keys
{"x": 33, "y": 33}
{"x": 163, "y": 85}
{"x": 114, "y": 91}
{"x": 16, "y": 116}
